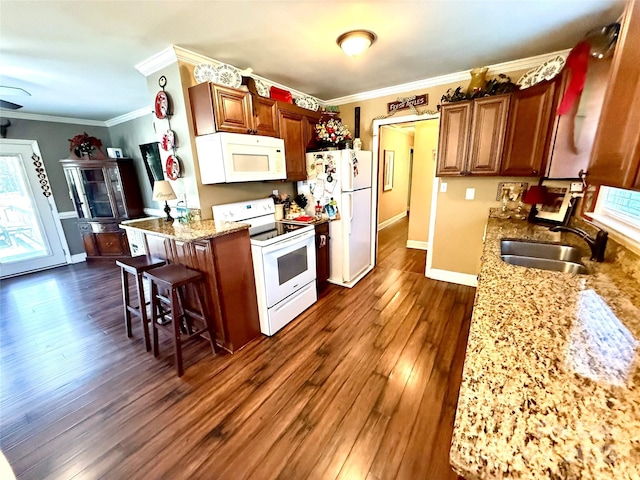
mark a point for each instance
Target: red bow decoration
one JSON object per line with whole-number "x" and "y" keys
{"x": 577, "y": 62}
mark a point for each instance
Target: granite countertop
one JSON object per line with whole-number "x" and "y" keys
{"x": 184, "y": 232}
{"x": 551, "y": 382}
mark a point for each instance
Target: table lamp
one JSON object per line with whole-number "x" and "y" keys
{"x": 162, "y": 191}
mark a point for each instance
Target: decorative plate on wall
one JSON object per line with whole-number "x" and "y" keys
{"x": 168, "y": 140}
{"x": 204, "y": 72}
{"x": 228, "y": 76}
{"x": 550, "y": 68}
{"x": 173, "y": 168}
{"x": 162, "y": 105}
{"x": 261, "y": 87}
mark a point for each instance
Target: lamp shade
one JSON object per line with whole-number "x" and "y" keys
{"x": 356, "y": 42}
{"x": 162, "y": 191}
{"x": 535, "y": 195}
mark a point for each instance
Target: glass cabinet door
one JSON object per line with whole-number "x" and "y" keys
{"x": 116, "y": 191}
{"x": 76, "y": 191}
{"x": 96, "y": 192}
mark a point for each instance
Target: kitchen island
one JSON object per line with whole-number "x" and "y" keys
{"x": 223, "y": 253}
{"x": 551, "y": 382}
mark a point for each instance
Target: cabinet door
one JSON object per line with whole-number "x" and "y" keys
{"x": 531, "y": 115}
{"x": 232, "y": 110}
{"x": 294, "y": 131}
{"x": 112, "y": 243}
{"x": 96, "y": 191}
{"x": 615, "y": 159}
{"x": 265, "y": 116}
{"x": 323, "y": 260}
{"x": 453, "y": 141}
{"x": 488, "y": 123}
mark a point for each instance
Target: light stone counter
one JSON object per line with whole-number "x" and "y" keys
{"x": 184, "y": 232}
{"x": 551, "y": 382}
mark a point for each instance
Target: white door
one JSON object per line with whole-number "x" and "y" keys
{"x": 357, "y": 232}
{"x": 31, "y": 235}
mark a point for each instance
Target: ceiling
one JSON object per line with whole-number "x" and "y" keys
{"x": 78, "y": 59}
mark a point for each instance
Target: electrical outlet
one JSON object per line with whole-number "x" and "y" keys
{"x": 275, "y": 192}
{"x": 470, "y": 194}
{"x": 443, "y": 187}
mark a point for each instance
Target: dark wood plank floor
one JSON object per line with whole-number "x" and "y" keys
{"x": 361, "y": 386}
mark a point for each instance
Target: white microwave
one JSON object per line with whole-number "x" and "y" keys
{"x": 235, "y": 157}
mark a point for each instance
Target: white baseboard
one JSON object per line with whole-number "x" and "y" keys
{"x": 78, "y": 258}
{"x": 391, "y": 221}
{"x": 67, "y": 215}
{"x": 453, "y": 277}
{"x": 417, "y": 245}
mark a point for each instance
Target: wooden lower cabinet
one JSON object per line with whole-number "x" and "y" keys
{"x": 99, "y": 244}
{"x": 228, "y": 268}
{"x": 323, "y": 257}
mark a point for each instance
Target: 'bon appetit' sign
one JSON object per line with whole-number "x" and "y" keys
{"x": 408, "y": 102}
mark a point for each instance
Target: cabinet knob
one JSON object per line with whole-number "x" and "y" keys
{"x": 535, "y": 172}
{"x": 249, "y": 131}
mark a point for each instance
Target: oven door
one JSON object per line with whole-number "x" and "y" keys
{"x": 288, "y": 266}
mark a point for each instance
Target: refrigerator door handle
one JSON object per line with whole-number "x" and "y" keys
{"x": 350, "y": 210}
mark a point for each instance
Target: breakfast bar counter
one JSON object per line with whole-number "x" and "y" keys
{"x": 223, "y": 253}
{"x": 551, "y": 381}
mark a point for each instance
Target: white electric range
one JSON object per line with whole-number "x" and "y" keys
{"x": 284, "y": 261}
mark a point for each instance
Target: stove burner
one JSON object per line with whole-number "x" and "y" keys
{"x": 271, "y": 230}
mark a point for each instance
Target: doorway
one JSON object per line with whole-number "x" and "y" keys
{"x": 404, "y": 211}
{"x": 31, "y": 236}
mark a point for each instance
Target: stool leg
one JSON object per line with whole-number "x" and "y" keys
{"x": 154, "y": 316}
{"x": 125, "y": 300}
{"x": 202, "y": 304}
{"x": 143, "y": 310}
{"x": 175, "y": 314}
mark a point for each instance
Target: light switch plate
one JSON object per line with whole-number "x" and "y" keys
{"x": 443, "y": 187}
{"x": 470, "y": 194}
{"x": 275, "y": 192}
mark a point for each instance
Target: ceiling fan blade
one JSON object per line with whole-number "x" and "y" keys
{"x": 9, "y": 105}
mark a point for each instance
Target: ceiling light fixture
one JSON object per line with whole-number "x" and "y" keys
{"x": 356, "y": 42}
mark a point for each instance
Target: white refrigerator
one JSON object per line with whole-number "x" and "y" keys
{"x": 343, "y": 178}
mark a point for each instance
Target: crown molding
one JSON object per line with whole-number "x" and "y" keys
{"x": 50, "y": 118}
{"x": 158, "y": 61}
{"x": 193, "y": 58}
{"x": 504, "y": 67}
{"x": 141, "y": 112}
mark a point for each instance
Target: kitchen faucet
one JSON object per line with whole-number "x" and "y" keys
{"x": 597, "y": 244}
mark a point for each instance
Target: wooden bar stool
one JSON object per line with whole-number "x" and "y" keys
{"x": 136, "y": 266}
{"x": 176, "y": 280}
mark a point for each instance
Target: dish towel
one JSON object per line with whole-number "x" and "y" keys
{"x": 577, "y": 62}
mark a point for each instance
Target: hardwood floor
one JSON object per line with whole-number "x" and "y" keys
{"x": 363, "y": 385}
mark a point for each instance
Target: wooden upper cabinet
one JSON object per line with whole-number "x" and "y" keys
{"x": 232, "y": 110}
{"x": 297, "y": 130}
{"x": 529, "y": 129}
{"x": 265, "y": 116}
{"x": 292, "y": 130}
{"x": 488, "y": 121}
{"x": 615, "y": 159}
{"x": 472, "y": 136}
{"x": 216, "y": 108}
{"x": 453, "y": 141}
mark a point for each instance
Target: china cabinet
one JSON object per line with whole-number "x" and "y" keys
{"x": 103, "y": 192}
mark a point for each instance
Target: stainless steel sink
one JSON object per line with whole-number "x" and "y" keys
{"x": 546, "y": 256}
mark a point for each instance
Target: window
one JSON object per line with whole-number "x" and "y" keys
{"x": 619, "y": 210}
